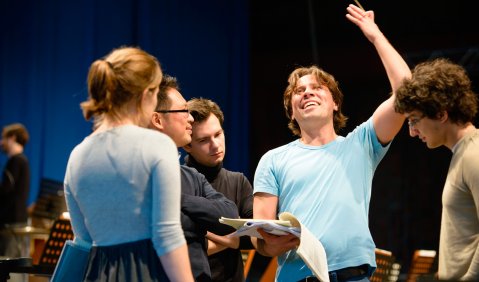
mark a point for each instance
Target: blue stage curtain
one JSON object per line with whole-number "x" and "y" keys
{"x": 47, "y": 47}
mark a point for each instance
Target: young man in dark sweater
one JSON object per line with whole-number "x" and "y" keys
{"x": 14, "y": 185}
{"x": 206, "y": 153}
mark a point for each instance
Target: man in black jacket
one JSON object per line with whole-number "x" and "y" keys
{"x": 206, "y": 153}
{"x": 201, "y": 205}
{"x": 14, "y": 185}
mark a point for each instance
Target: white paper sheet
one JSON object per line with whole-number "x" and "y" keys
{"x": 310, "y": 248}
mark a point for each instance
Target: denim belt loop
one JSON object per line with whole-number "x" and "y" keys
{"x": 333, "y": 277}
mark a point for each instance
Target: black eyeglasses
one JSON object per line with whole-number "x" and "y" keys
{"x": 413, "y": 121}
{"x": 173, "y": 111}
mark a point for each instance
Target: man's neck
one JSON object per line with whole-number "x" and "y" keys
{"x": 458, "y": 132}
{"x": 15, "y": 150}
{"x": 318, "y": 136}
{"x": 209, "y": 172}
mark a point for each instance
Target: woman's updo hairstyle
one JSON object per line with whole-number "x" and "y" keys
{"x": 118, "y": 80}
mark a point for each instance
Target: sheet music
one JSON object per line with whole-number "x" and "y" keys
{"x": 310, "y": 249}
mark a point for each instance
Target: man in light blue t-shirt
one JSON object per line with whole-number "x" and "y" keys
{"x": 325, "y": 179}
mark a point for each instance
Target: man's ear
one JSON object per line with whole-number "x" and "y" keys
{"x": 443, "y": 116}
{"x": 156, "y": 121}
{"x": 187, "y": 148}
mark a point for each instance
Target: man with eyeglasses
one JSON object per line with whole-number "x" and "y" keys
{"x": 206, "y": 153}
{"x": 201, "y": 205}
{"x": 440, "y": 105}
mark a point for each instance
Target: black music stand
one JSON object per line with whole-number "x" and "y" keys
{"x": 59, "y": 233}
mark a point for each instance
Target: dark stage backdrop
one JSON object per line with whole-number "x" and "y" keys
{"x": 47, "y": 47}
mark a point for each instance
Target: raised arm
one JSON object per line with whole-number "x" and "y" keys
{"x": 387, "y": 122}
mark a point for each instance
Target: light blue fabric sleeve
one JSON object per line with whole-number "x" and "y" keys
{"x": 367, "y": 135}
{"x": 167, "y": 233}
{"x": 76, "y": 216}
{"x": 265, "y": 178}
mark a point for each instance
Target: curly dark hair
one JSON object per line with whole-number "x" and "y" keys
{"x": 437, "y": 86}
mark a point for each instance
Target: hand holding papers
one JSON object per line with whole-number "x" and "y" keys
{"x": 249, "y": 227}
{"x": 310, "y": 249}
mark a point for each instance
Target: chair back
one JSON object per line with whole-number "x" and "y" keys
{"x": 423, "y": 262}
{"x": 384, "y": 262}
{"x": 248, "y": 256}
{"x": 270, "y": 272}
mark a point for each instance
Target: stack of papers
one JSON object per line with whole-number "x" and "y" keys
{"x": 310, "y": 248}
{"x": 249, "y": 227}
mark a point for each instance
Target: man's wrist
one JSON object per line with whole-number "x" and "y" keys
{"x": 260, "y": 247}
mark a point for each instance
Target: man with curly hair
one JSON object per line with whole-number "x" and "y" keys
{"x": 440, "y": 106}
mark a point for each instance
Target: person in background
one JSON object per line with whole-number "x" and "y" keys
{"x": 440, "y": 106}
{"x": 201, "y": 205}
{"x": 206, "y": 153}
{"x": 122, "y": 183}
{"x": 14, "y": 186}
{"x": 325, "y": 179}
